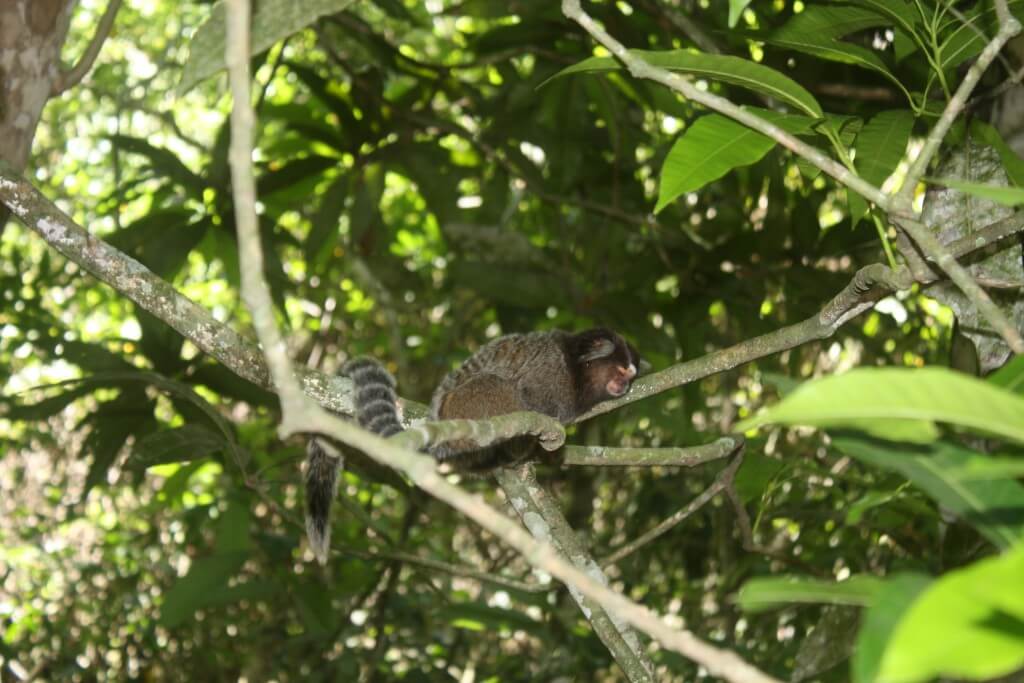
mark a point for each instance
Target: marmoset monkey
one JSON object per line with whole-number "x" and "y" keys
{"x": 556, "y": 373}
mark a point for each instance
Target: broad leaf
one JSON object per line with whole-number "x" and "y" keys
{"x": 181, "y": 444}
{"x": 741, "y": 72}
{"x": 994, "y": 507}
{"x": 899, "y": 404}
{"x": 765, "y": 593}
{"x": 713, "y": 146}
{"x": 271, "y": 22}
{"x": 1012, "y": 163}
{"x": 206, "y": 578}
{"x": 1007, "y": 196}
{"x": 887, "y": 608}
{"x": 969, "y": 624}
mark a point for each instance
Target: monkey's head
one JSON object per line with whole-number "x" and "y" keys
{"x": 604, "y": 365}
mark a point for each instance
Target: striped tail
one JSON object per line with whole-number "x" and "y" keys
{"x": 375, "y": 399}
{"x": 322, "y": 471}
{"x": 377, "y": 410}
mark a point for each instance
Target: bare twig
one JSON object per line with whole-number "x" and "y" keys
{"x": 724, "y": 479}
{"x": 73, "y": 76}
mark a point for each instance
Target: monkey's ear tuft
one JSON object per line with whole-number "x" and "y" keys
{"x": 602, "y": 347}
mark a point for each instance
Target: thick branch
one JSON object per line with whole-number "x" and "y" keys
{"x": 73, "y": 76}
{"x": 159, "y": 297}
{"x": 545, "y": 520}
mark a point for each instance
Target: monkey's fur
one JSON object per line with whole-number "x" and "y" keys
{"x": 556, "y": 373}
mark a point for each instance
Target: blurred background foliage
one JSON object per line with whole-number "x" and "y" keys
{"x": 422, "y": 190}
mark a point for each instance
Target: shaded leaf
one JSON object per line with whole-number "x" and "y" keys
{"x": 180, "y": 444}
{"x": 734, "y": 70}
{"x": 271, "y": 22}
{"x": 1007, "y": 196}
{"x": 776, "y": 591}
{"x": 994, "y": 507}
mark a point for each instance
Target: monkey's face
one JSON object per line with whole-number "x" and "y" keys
{"x": 607, "y": 366}
{"x": 621, "y": 377}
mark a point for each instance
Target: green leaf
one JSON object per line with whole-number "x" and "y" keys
{"x": 736, "y": 8}
{"x": 887, "y": 608}
{"x": 872, "y": 499}
{"x": 713, "y": 146}
{"x": 1010, "y": 376}
{"x": 1013, "y": 164}
{"x": 165, "y": 162}
{"x": 734, "y": 70}
{"x": 881, "y": 144}
{"x": 478, "y": 616}
{"x": 206, "y": 578}
{"x": 899, "y": 12}
{"x": 271, "y": 22}
{"x": 969, "y": 624}
{"x": 1007, "y": 196}
{"x": 994, "y": 507}
{"x": 816, "y": 31}
{"x": 899, "y": 404}
{"x": 233, "y": 529}
{"x": 765, "y": 593}
{"x": 181, "y": 444}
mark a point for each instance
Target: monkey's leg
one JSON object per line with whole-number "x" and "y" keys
{"x": 481, "y": 397}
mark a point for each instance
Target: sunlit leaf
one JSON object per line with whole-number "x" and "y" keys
{"x": 886, "y": 610}
{"x": 966, "y": 625}
{"x": 899, "y": 404}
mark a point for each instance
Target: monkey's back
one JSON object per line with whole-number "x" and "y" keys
{"x": 515, "y": 372}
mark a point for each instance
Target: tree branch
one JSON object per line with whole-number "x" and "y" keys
{"x": 73, "y": 76}
{"x": 604, "y": 456}
{"x": 1008, "y": 28}
{"x": 300, "y": 415}
{"x": 542, "y": 516}
{"x": 682, "y": 85}
{"x": 549, "y": 432}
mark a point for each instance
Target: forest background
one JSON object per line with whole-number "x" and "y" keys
{"x": 804, "y": 214}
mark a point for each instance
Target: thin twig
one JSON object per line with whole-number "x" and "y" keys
{"x": 73, "y": 76}
{"x": 1008, "y": 28}
{"x": 723, "y": 479}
